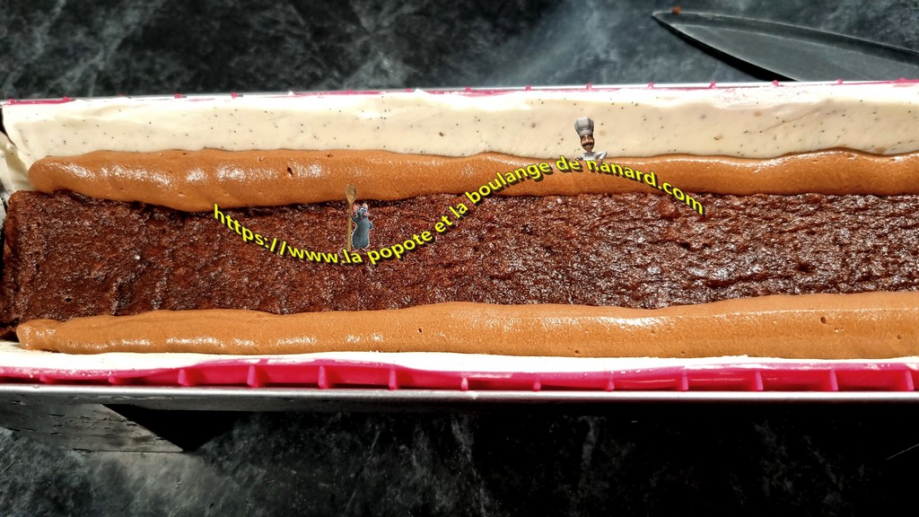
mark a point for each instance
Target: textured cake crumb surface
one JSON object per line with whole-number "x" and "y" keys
{"x": 68, "y": 256}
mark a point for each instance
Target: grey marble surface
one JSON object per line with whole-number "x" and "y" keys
{"x": 110, "y": 47}
{"x": 647, "y": 460}
{"x": 621, "y": 460}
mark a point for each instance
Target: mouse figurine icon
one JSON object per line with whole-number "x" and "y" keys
{"x": 360, "y": 237}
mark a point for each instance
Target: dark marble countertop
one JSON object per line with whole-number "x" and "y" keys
{"x": 658, "y": 459}
{"x": 55, "y": 48}
{"x": 619, "y": 459}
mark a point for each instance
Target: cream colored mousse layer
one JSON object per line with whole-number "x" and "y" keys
{"x": 821, "y": 326}
{"x": 755, "y": 121}
{"x": 195, "y": 180}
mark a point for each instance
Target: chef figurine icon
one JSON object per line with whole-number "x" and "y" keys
{"x": 585, "y": 128}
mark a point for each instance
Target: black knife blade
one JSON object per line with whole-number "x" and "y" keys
{"x": 793, "y": 52}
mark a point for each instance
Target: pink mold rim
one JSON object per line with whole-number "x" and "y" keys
{"x": 479, "y": 91}
{"x": 325, "y": 374}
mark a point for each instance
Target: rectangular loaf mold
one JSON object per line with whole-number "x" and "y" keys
{"x": 447, "y": 372}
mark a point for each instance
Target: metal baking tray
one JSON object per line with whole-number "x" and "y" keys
{"x": 305, "y": 399}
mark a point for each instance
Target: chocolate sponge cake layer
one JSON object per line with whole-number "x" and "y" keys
{"x": 68, "y": 256}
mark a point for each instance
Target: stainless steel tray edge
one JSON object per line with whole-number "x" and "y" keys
{"x": 313, "y": 399}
